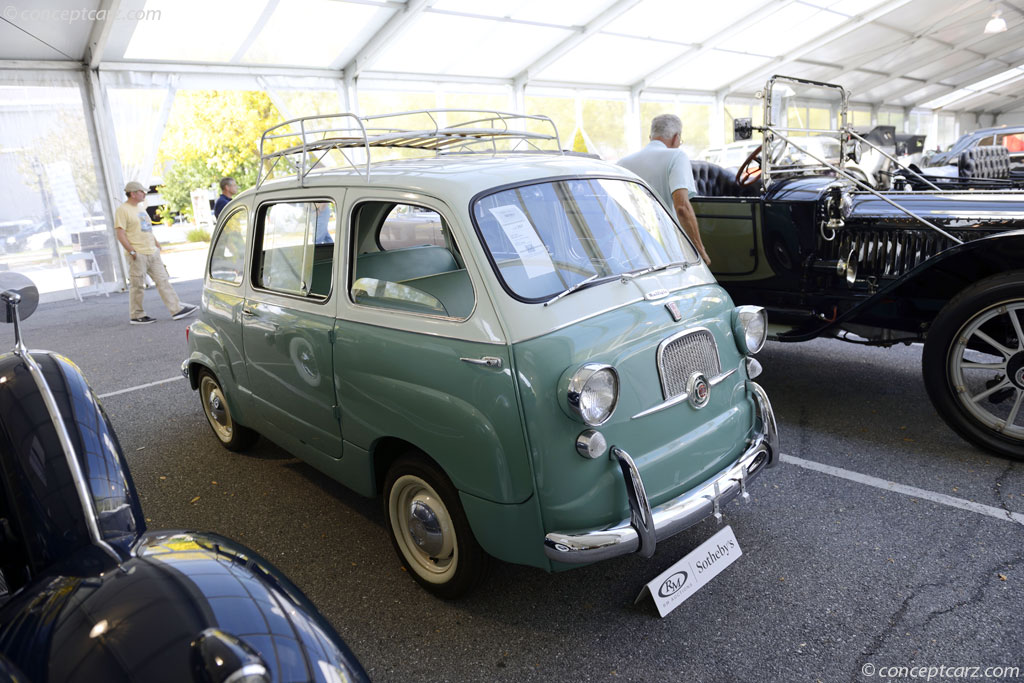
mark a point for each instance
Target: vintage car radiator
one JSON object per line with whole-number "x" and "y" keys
{"x": 890, "y": 252}
{"x": 681, "y": 356}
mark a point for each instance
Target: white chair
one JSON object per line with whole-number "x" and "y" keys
{"x": 87, "y": 267}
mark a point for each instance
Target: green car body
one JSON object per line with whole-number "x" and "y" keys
{"x": 470, "y": 375}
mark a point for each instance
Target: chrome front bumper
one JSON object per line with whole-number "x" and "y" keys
{"x": 645, "y": 525}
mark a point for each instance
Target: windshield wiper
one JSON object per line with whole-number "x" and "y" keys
{"x": 626, "y": 277}
{"x": 576, "y": 287}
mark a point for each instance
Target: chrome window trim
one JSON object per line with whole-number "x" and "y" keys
{"x": 668, "y": 340}
{"x": 259, "y": 214}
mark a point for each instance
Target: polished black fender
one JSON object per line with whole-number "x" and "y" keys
{"x": 151, "y": 619}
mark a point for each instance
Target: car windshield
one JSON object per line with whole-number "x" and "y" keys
{"x": 547, "y": 237}
{"x": 809, "y": 115}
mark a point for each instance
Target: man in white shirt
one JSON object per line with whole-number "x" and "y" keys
{"x": 666, "y": 168}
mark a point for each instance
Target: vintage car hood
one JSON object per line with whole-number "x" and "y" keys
{"x": 138, "y": 623}
{"x": 991, "y": 211}
{"x": 675, "y": 448}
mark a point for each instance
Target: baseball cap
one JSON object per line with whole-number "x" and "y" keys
{"x": 134, "y": 187}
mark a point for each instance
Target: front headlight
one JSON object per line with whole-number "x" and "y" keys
{"x": 592, "y": 392}
{"x": 750, "y": 325}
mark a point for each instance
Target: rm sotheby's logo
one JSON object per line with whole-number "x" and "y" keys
{"x": 673, "y": 584}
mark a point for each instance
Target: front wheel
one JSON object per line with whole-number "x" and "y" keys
{"x": 429, "y": 528}
{"x": 231, "y": 435}
{"x": 973, "y": 364}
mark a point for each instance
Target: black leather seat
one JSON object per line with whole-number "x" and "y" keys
{"x": 714, "y": 181}
{"x": 989, "y": 161}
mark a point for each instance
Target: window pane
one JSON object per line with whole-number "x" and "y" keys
{"x": 411, "y": 226}
{"x": 297, "y": 249}
{"x": 547, "y": 237}
{"x": 228, "y": 252}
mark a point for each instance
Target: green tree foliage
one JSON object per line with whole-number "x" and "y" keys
{"x": 211, "y": 134}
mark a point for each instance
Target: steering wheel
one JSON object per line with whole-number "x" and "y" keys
{"x": 748, "y": 176}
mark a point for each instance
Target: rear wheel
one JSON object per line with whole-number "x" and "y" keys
{"x": 429, "y": 528}
{"x": 973, "y": 364}
{"x": 231, "y": 435}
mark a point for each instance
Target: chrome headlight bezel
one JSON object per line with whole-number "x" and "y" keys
{"x": 750, "y": 327}
{"x": 575, "y": 387}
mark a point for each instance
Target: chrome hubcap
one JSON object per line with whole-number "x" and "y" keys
{"x": 216, "y": 409}
{"x": 423, "y": 529}
{"x": 986, "y": 368}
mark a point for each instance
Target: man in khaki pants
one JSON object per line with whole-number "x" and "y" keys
{"x": 135, "y": 233}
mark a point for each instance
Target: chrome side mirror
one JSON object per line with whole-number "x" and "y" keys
{"x": 19, "y": 295}
{"x": 20, "y": 299}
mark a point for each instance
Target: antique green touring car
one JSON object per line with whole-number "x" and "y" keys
{"x": 517, "y": 349}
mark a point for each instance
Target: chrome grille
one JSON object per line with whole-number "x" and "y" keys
{"x": 682, "y": 355}
{"x": 888, "y": 253}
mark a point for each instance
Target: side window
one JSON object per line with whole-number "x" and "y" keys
{"x": 990, "y": 140}
{"x": 1014, "y": 142}
{"x": 295, "y": 248}
{"x": 408, "y": 225}
{"x": 228, "y": 252}
{"x": 406, "y": 260}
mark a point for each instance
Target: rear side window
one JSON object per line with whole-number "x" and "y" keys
{"x": 408, "y": 225}
{"x": 415, "y": 267}
{"x": 295, "y": 248}
{"x": 228, "y": 252}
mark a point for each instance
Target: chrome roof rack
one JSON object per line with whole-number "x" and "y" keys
{"x": 311, "y": 142}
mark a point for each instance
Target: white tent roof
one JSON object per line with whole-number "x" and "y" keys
{"x": 931, "y": 53}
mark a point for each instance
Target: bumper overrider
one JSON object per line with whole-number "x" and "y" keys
{"x": 646, "y": 525}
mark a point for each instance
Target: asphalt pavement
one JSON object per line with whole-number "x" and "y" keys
{"x": 843, "y": 573}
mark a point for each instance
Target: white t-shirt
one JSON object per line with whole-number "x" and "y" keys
{"x": 665, "y": 170}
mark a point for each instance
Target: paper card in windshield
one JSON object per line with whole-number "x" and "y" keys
{"x": 524, "y": 239}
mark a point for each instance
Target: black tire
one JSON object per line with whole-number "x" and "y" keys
{"x": 433, "y": 540}
{"x": 232, "y": 436}
{"x": 984, "y": 405}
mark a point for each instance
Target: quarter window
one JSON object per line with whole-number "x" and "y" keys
{"x": 295, "y": 248}
{"x": 228, "y": 252}
{"x": 407, "y": 262}
{"x": 407, "y": 225}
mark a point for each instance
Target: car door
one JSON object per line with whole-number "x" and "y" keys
{"x": 288, "y": 320}
{"x": 420, "y": 355}
{"x": 730, "y": 231}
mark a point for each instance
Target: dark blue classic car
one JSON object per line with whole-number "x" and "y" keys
{"x": 830, "y": 256}
{"x": 87, "y": 593}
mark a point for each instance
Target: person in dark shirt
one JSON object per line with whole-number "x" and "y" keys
{"x": 228, "y": 189}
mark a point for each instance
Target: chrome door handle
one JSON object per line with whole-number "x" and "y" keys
{"x": 248, "y": 312}
{"x": 486, "y": 361}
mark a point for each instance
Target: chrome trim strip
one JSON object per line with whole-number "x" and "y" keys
{"x": 673, "y": 516}
{"x": 679, "y": 398}
{"x": 84, "y": 497}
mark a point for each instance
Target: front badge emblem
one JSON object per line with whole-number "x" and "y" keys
{"x": 673, "y": 310}
{"x": 699, "y": 390}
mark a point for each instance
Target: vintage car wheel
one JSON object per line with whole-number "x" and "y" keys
{"x": 231, "y": 435}
{"x": 429, "y": 528}
{"x": 973, "y": 364}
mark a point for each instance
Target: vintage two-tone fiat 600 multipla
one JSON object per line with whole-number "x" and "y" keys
{"x": 518, "y": 350}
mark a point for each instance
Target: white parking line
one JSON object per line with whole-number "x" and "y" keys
{"x": 940, "y": 498}
{"x": 141, "y": 386}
